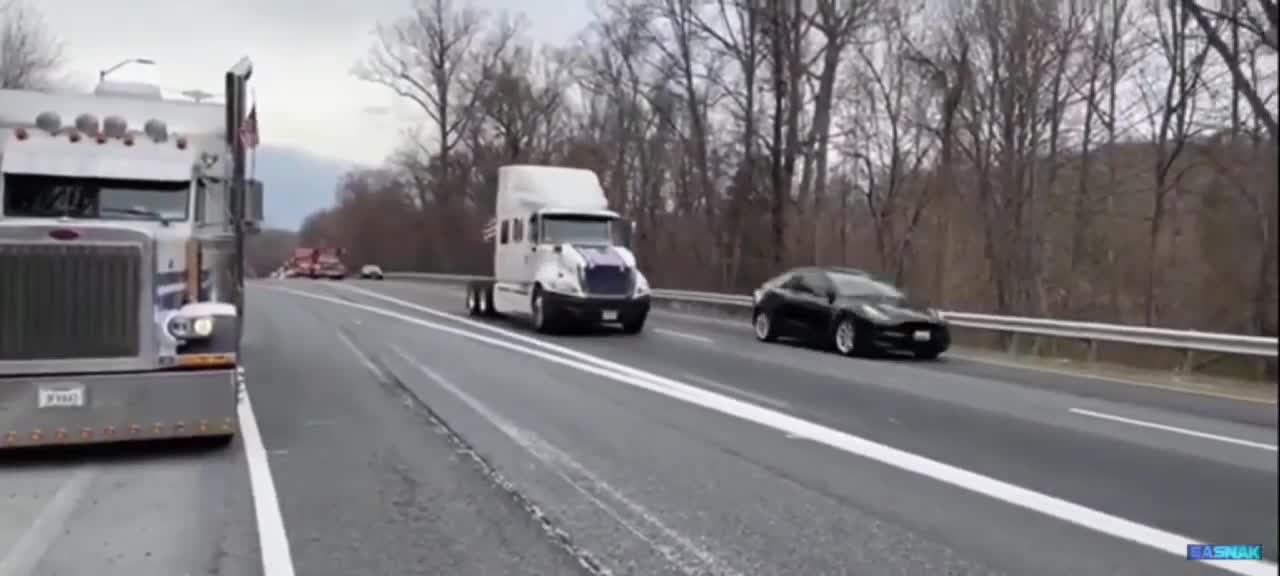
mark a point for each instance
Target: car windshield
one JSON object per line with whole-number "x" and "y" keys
{"x": 92, "y": 198}
{"x": 559, "y": 229}
{"x": 855, "y": 285}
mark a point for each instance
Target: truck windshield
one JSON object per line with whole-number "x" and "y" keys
{"x": 56, "y": 197}
{"x": 562, "y": 228}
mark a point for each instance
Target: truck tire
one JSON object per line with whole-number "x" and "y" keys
{"x": 473, "y": 300}
{"x": 544, "y": 320}
{"x": 486, "y": 302}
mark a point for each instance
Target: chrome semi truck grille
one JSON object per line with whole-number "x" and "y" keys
{"x": 608, "y": 281}
{"x": 65, "y": 301}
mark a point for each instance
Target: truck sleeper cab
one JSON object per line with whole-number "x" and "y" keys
{"x": 114, "y": 253}
{"x": 558, "y": 258}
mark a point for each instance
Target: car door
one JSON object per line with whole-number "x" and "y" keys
{"x": 813, "y": 302}
{"x": 784, "y": 307}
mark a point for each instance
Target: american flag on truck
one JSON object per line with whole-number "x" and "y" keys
{"x": 490, "y": 230}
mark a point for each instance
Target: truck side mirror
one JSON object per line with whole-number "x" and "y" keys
{"x": 626, "y": 233}
{"x": 253, "y": 209}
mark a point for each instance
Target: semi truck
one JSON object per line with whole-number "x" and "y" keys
{"x": 560, "y": 254}
{"x": 122, "y": 215}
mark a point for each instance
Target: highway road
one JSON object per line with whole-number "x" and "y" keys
{"x": 406, "y": 438}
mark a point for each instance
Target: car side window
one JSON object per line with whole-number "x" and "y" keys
{"x": 533, "y": 229}
{"x": 797, "y": 283}
{"x": 504, "y": 234}
{"x": 517, "y": 232}
{"x": 819, "y": 282}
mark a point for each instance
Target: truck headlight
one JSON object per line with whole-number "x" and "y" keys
{"x": 642, "y": 285}
{"x": 188, "y": 327}
{"x": 202, "y": 326}
{"x": 565, "y": 284}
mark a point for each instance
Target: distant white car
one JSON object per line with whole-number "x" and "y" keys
{"x": 371, "y": 272}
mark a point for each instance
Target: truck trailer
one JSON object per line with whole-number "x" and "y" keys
{"x": 560, "y": 257}
{"x": 122, "y": 216}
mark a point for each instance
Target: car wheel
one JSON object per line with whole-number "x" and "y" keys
{"x": 763, "y": 324}
{"x": 845, "y": 336}
{"x": 930, "y": 354}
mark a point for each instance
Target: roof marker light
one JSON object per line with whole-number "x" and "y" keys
{"x": 74, "y": 136}
{"x": 101, "y": 138}
{"x": 87, "y": 123}
{"x": 49, "y": 122}
{"x": 128, "y": 140}
{"x": 182, "y": 142}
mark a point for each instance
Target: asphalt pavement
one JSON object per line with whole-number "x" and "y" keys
{"x": 642, "y": 482}
{"x": 406, "y": 438}
{"x": 173, "y": 508}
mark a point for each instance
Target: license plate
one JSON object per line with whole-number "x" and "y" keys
{"x": 61, "y": 396}
{"x": 921, "y": 335}
{"x": 609, "y": 315}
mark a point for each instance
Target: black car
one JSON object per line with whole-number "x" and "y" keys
{"x": 847, "y": 310}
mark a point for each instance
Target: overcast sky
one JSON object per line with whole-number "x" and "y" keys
{"x": 302, "y": 50}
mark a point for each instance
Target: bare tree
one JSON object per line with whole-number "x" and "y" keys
{"x": 424, "y": 58}
{"x": 1265, "y": 28}
{"x": 28, "y": 55}
{"x": 994, "y": 141}
{"x": 1183, "y": 64}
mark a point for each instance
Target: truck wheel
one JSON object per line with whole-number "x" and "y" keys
{"x": 473, "y": 301}
{"x": 543, "y": 319}
{"x": 486, "y": 302}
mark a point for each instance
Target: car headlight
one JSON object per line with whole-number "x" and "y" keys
{"x": 642, "y": 285}
{"x": 874, "y": 313}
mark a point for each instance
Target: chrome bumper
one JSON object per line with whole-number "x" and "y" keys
{"x": 117, "y": 407}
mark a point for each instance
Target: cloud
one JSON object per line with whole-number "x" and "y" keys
{"x": 296, "y": 183}
{"x": 303, "y": 51}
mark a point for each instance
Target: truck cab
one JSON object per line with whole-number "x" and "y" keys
{"x": 560, "y": 253}
{"x": 115, "y": 257}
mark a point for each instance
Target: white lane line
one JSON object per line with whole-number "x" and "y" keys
{"x": 684, "y": 335}
{"x": 27, "y": 552}
{"x": 272, "y": 541}
{"x": 364, "y": 358}
{"x": 1096, "y": 520}
{"x": 730, "y": 390}
{"x": 1174, "y": 429}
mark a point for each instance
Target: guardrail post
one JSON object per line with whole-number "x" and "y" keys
{"x": 1188, "y": 362}
{"x": 1013, "y": 344}
{"x": 1091, "y": 355}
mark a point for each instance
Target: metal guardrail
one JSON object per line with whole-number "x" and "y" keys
{"x": 1092, "y": 332}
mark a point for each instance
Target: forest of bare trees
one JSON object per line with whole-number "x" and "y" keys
{"x": 1110, "y": 160}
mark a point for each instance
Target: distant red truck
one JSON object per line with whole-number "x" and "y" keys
{"x": 316, "y": 263}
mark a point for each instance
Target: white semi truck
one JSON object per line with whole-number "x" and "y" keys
{"x": 120, "y": 282}
{"x": 560, "y": 257}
